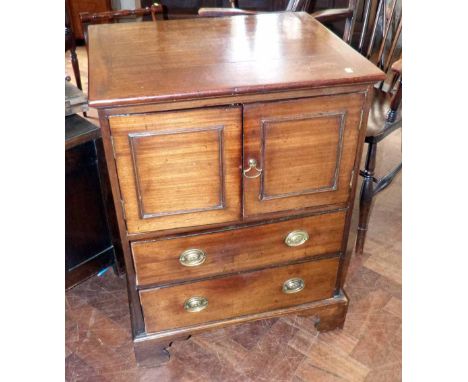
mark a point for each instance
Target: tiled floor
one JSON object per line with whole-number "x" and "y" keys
{"x": 98, "y": 340}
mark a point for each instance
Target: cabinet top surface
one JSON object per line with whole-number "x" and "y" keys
{"x": 146, "y": 62}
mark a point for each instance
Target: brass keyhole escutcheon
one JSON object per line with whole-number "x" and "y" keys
{"x": 293, "y": 285}
{"x": 195, "y": 304}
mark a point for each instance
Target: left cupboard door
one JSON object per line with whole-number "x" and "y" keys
{"x": 179, "y": 169}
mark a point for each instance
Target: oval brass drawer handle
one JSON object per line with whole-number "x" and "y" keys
{"x": 296, "y": 238}
{"x": 195, "y": 304}
{"x": 293, "y": 285}
{"x": 192, "y": 257}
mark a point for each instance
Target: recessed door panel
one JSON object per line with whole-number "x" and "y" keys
{"x": 303, "y": 151}
{"x": 178, "y": 169}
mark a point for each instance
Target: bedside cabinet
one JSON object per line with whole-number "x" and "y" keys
{"x": 232, "y": 145}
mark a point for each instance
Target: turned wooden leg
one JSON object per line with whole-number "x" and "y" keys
{"x": 76, "y": 71}
{"x": 395, "y": 102}
{"x": 367, "y": 194}
{"x": 150, "y": 354}
{"x": 76, "y": 68}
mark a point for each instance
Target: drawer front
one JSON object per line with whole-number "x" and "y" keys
{"x": 300, "y": 153}
{"x": 179, "y": 169}
{"x": 235, "y": 250}
{"x": 242, "y": 294}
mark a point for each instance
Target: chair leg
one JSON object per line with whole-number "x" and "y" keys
{"x": 384, "y": 182}
{"x": 367, "y": 194}
{"x": 76, "y": 71}
{"x": 76, "y": 68}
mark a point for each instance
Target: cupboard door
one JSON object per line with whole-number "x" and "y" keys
{"x": 300, "y": 153}
{"x": 179, "y": 169}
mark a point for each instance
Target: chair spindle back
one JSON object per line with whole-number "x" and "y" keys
{"x": 88, "y": 18}
{"x": 380, "y": 32}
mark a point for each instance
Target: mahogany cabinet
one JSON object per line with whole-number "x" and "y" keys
{"x": 232, "y": 145}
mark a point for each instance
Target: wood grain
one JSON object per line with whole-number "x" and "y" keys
{"x": 157, "y": 262}
{"x": 317, "y": 138}
{"x": 243, "y": 294}
{"x": 179, "y": 169}
{"x": 323, "y": 315}
{"x": 143, "y": 63}
{"x": 235, "y": 99}
{"x": 306, "y": 149}
{"x": 136, "y": 314}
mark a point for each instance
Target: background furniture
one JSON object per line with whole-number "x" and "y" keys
{"x": 332, "y": 15}
{"x": 70, "y": 45}
{"x": 378, "y": 38}
{"x": 88, "y": 248}
{"x": 233, "y": 168}
{"x": 380, "y": 42}
{"x": 90, "y": 218}
{"x": 88, "y": 18}
{"x": 179, "y": 9}
{"x": 381, "y": 125}
{"x": 75, "y": 100}
{"x": 291, "y": 6}
{"x": 78, "y": 6}
{"x": 189, "y": 8}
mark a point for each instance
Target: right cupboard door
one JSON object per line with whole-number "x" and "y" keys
{"x": 300, "y": 153}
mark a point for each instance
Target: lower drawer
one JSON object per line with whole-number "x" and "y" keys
{"x": 239, "y": 295}
{"x": 162, "y": 261}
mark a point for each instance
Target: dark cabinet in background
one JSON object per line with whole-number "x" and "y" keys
{"x": 88, "y": 216}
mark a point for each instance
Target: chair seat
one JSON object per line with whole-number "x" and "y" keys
{"x": 376, "y": 123}
{"x": 378, "y": 113}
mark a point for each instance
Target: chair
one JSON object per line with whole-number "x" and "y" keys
{"x": 292, "y": 6}
{"x": 338, "y": 14}
{"x": 70, "y": 45}
{"x": 376, "y": 132}
{"x": 88, "y": 18}
{"x": 328, "y": 15}
{"x": 379, "y": 40}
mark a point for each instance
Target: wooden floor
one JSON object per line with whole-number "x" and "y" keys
{"x": 98, "y": 339}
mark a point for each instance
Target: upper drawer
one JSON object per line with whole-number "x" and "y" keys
{"x": 304, "y": 151}
{"x": 191, "y": 257}
{"x": 179, "y": 169}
